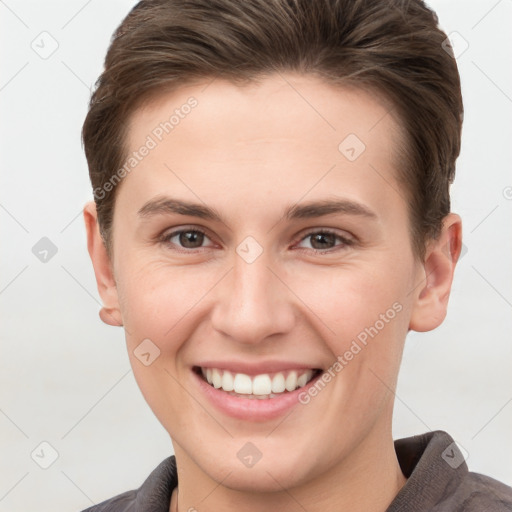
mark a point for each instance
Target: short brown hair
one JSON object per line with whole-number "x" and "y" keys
{"x": 392, "y": 47}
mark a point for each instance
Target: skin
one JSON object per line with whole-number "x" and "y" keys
{"x": 250, "y": 152}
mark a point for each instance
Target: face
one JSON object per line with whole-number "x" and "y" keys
{"x": 264, "y": 236}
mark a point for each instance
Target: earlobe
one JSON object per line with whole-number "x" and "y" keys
{"x": 110, "y": 313}
{"x": 111, "y": 316}
{"x": 431, "y": 296}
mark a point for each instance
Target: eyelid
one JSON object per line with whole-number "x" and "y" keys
{"x": 167, "y": 234}
{"x": 346, "y": 240}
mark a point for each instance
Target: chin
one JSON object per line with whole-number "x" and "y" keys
{"x": 267, "y": 475}
{"x": 262, "y": 480}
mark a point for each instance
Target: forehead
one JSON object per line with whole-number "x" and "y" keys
{"x": 270, "y": 106}
{"x": 292, "y": 132}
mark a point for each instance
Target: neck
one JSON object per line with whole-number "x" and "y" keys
{"x": 368, "y": 479}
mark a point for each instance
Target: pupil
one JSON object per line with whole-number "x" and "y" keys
{"x": 189, "y": 239}
{"x": 322, "y": 238}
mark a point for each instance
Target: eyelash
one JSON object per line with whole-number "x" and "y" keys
{"x": 345, "y": 242}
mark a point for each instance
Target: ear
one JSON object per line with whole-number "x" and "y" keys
{"x": 431, "y": 296}
{"x": 110, "y": 313}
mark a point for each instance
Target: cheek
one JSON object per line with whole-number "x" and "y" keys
{"x": 158, "y": 299}
{"x": 157, "y": 304}
{"x": 362, "y": 312}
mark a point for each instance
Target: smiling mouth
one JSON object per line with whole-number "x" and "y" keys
{"x": 262, "y": 386}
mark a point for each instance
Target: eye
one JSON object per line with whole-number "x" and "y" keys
{"x": 323, "y": 240}
{"x": 185, "y": 238}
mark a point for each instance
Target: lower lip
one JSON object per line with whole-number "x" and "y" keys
{"x": 252, "y": 409}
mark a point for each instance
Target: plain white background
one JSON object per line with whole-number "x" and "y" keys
{"x": 65, "y": 378}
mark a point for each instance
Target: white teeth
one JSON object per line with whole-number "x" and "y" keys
{"x": 291, "y": 381}
{"x": 227, "y": 381}
{"x": 278, "y": 383}
{"x": 301, "y": 381}
{"x": 242, "y": 384}
{"x": 260, "y": 386}
{"x": 216, "y": 378}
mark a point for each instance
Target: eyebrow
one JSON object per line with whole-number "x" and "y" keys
{"x": 328, "y": 207}
{"x": 312, "y": 209}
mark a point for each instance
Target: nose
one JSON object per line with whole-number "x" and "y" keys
{"x": 253, "y": 302}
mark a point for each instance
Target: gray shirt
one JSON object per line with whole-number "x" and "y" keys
{"x": 438, "y": 481}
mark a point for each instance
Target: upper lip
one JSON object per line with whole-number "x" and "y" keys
{"x": 257, "y": 368}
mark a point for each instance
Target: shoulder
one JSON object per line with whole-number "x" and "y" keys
{"x": 154, "y": 494}
{"x": 438, "y": 479}
{"x": 476, "y": 492}
{"x": 124, "y": 502}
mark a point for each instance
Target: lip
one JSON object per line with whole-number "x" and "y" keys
{"x": 252, "y": 409}
{"x": 253, "y": 369}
